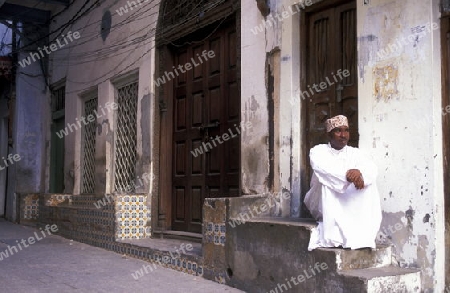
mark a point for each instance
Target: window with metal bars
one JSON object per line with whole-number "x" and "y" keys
{"x": 126, "y": 138}
{"x": 88, "y": 143}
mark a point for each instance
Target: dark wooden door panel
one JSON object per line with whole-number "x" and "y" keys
{"x": 207, "y": 105}
{"x": 347, "y": 99}
{"x": 445, "y": 44}
{"x": 331, "y": 50}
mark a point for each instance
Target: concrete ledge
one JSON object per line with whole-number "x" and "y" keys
{"x": 308, "y": 223}
{"x": 380, "y": 280}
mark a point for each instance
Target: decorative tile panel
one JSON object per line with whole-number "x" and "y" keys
{"x": 132, "y": 216}
{"x": 215, "y": 233}
{"x": 30, "y": 207}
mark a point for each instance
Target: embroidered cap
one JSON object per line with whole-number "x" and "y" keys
{"x": 336, "y": 121}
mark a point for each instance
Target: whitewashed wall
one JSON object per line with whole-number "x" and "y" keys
{"x": 86, "y": 69}
{"x": 400, "y": 125}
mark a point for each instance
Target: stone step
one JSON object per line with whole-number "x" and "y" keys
{"x": 255, "y": 246}
{"x": 379, "y": 280}
{"x": 347, "y": 259}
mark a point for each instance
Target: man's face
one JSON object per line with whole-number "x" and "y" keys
{"x": 339, "y": 137}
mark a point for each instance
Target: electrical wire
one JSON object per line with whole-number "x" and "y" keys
{"x": 95, "y": 35}
{"x": 118, "y": 48}
{"x": 112, "y": 72}
{"x": 62, "y": 27}
{"x": 105, "y": 52}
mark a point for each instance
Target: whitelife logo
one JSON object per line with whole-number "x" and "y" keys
{"x": 31, "y": 240}
{"x": 124, "y": 9}
{"x": 188, "y": 66}
{"x": 205, "y": 147}
{"x": 60, "y": 43}
{"x": 418, "y": 33}
{"x": 165, "y": 260}
{"x": 71, "y": 127}
{"x": 321, "y": 86}
{"x": 272, "y": 20}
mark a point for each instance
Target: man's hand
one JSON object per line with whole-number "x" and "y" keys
{"x": 355, "y": 176}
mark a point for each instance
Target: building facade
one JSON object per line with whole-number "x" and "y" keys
{"x": 178, "y": 118}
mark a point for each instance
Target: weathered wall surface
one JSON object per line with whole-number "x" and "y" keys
{"x": 270, "y": 81}
{"x": 29, "y": 121}
{"x": 30, "y": 115}
{"x": 400, "y": 125}
{"x": 254, "y": 143}
{"x": 113, "y": 44}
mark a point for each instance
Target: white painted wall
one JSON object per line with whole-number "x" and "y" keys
{"x": 91, "y": 64}
{"x": 400, "y": 125}
{"x": 254, "y": 142}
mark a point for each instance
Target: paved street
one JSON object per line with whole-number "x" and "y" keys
{"x": 56, "y": 264}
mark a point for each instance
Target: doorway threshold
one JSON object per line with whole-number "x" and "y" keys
{"x": 181, "y": 235}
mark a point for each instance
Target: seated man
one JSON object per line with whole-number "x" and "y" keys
{"x": 343, "y": 197}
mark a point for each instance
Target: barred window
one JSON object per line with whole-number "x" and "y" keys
{"x": 89, "y": 137}
{"x": 126, "y": 138}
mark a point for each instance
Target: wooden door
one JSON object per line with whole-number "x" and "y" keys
{"x": 330, "y": 87}
{"x": 445, "y": 43}
{"x": 206, "y": 105}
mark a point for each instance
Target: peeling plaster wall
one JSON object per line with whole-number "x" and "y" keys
{"x": 31, "y": 113}
{"x": 254, "y": 104}
{"x": 257, "y": 48}
{"x": 100, "y": 29}
{"x": 400, "y": 125}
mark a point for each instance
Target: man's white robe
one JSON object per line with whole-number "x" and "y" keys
{"x": 346, "y": 216}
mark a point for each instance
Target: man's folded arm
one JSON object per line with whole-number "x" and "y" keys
{"x": 328, "y": 173}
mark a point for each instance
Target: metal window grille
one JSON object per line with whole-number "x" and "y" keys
{"x": 126, "y": 138}
{"x": 90, "y": 108}
{"x": 58, "y": 99}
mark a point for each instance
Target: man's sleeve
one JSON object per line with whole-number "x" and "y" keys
{"x": 329, "y": 173}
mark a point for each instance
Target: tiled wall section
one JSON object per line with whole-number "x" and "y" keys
{"x": 29, "y": 207}
{"x": 54, "y": 200}
{"x": 215, "y": 233}
{"x": 132, "y": 216}
{"x": 214, "y": 239}
{"x": 82, "y": 221}
{"x": 187, "y": 264}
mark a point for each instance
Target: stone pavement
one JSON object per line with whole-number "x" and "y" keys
{"x": 56, "y": 264}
